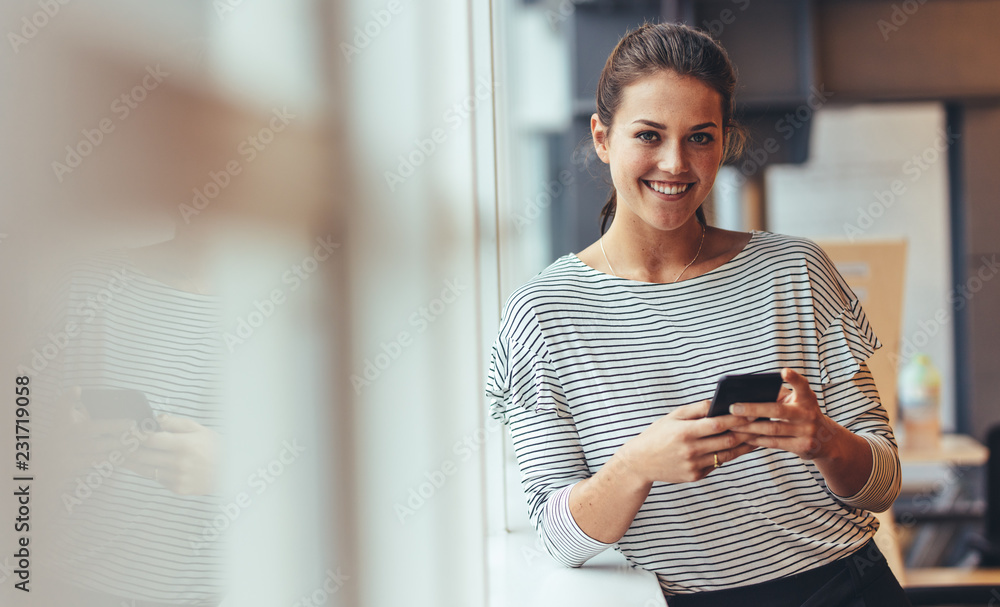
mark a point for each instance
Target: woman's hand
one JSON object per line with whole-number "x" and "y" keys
{"x": 677, "y": 448}
{"x": 682, "y": 447}
{"x": 799, "y": 426}
{"x": 183, "y": 457}
{"x": 796, "y": 425}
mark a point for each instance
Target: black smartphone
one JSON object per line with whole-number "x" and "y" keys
{"x": 745, "y": 388}
{"x": 119, "y": 404}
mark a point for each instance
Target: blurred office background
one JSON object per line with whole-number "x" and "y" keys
{"x": 367, "y": 180}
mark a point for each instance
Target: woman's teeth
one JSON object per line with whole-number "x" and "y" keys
{"x": 668, "y": 189}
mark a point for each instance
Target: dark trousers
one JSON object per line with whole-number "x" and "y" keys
{"x": 862, "y": 579}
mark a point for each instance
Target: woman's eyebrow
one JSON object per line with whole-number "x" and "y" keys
{"x": 657, "y": 125}
{"x": 704, "y": 125}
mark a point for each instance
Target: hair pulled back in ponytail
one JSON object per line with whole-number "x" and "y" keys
{"x": 668, "y": 46}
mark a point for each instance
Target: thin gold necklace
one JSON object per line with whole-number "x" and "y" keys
{"x": 700, "y": 244}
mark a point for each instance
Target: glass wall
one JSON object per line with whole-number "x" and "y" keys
{"x": 243, "y": 247}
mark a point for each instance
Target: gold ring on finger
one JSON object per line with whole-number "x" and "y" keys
{"x": 716, "y": 456}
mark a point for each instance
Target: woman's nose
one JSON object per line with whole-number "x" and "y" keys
{"x": 672, "y": 159}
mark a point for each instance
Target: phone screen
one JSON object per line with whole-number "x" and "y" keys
{"x": 118, "y": 404}
{"x": 746, "y": 388}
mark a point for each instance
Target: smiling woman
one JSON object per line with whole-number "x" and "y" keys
{"x": 663, "y": 168}
{"x": 664, "y": 123}
{"x": 604, "y": 363}
{"x": 676, "y": 156}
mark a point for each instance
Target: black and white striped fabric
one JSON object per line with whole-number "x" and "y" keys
{"x": 584, "y": 361}
{"x": 131, "y": 537}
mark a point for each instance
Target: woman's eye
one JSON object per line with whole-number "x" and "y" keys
{"x": 646, "y": 136}
{"x": 701, "y": 138}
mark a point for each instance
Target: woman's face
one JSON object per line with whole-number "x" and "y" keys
{"x": 664, "y": 148}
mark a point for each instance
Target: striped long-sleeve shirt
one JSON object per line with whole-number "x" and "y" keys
{"x": 584, "y": 361}
{"x": 120, "y": 532}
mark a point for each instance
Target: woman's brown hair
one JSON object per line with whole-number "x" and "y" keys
{"x": 668, "y": 46}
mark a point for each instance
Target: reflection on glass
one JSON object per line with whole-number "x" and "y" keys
{"x": 131, "y": 365}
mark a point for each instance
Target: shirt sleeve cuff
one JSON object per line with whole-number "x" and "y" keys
{"x": 882, "y": 487}
{"x": 562, "y": 537}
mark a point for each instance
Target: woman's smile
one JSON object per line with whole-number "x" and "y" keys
{"x": 669, "y": 190}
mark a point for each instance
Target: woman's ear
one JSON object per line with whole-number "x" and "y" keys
{"x": 600, "y": 135}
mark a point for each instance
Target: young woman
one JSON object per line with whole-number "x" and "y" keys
{"x": 605, "y": 360}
